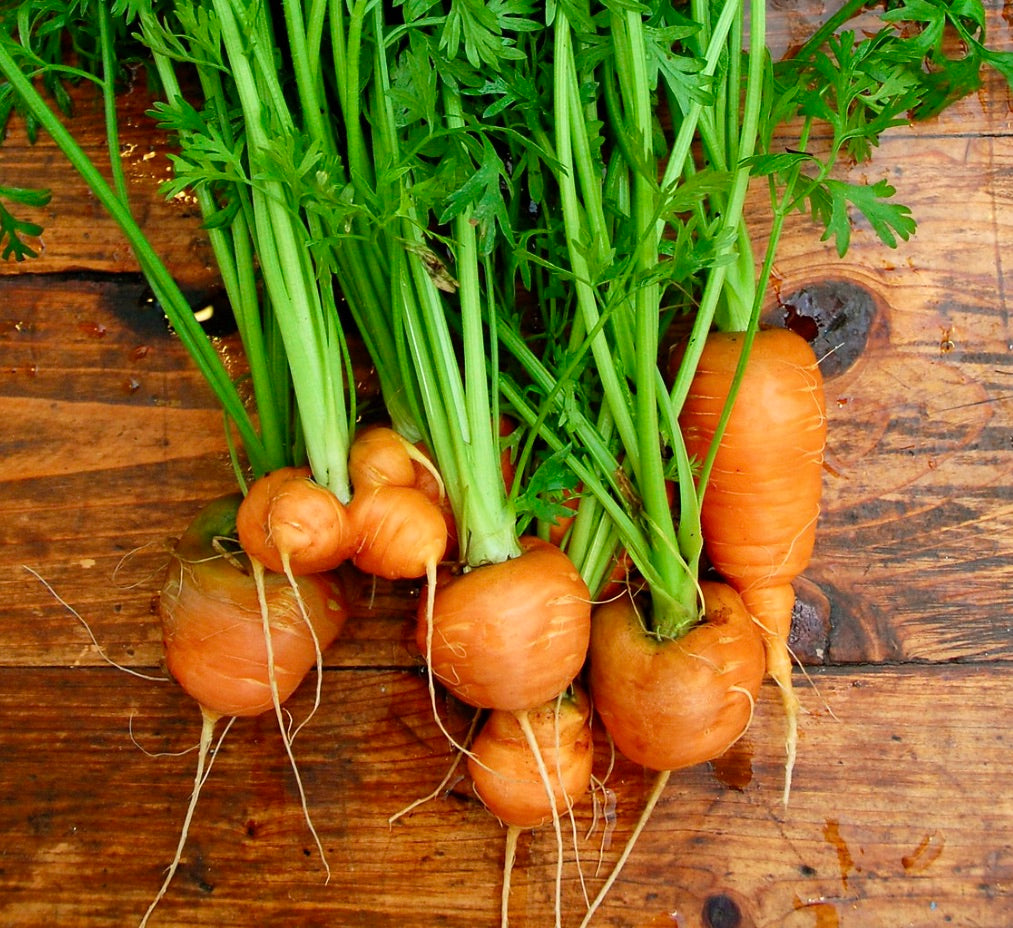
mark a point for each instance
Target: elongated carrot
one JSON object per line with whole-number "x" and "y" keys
{"x": 761, "y": 494}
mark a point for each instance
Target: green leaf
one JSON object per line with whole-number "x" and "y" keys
{"x": 12, "y": 229}
{"x": 546, "y": 490}
{"x": 834, "y": 201}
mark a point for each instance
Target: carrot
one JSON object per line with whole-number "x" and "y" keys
{"x": 291, "y": 524}
{"x": 509, "y": 635}
{"x": 211, "y": 619}
{"x": 380, "y": 456}
{"x": 400, "y": 532}
{"x": 670, "y": 703}
{"x": 530, "y": 767}
{"x": 239, "y": 640}
{"x": 761, "y": 492}
{"x": 429, "y": 483}
{"x": 506, "y": 771}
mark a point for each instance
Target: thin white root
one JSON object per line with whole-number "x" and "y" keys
{"x": 529, "y": 735}
{"x": 317, "y": 650}
{"x": 430, "y": 678}
{"x": 569, "y": 811}
{"x": 458, "y": 757}
{"x": 77, "y": 615}
{"x": 258, "y": 576}
{"x": 652, "y": 800}
{"x": 510, "y": 855}
{"x": 209, "y": 720}
{"x": 155, "y": 754}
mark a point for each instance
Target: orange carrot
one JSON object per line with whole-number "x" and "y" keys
{"x": 401, "y": 533}
{"x": 214, "y": 640}
{"x": 509, "y": 635}
{"x": 670, "y": 703}
{"x": 506, "y": 771}
{"x": 239, "y": 640}
{"x": 290, "y": 523}
{"x": 380, "y": 456}
{"x": 531, "y": 767}
{"x": 761, "y": 498}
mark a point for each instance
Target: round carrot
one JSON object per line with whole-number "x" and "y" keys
{"x": 290, "y": 523}
{"x": 506, "y": 773}
{"x": 761, "y": 499}
{"x": 531, "y": 767}
{"x": 401, "y": 533}
{"x": 214, "y": 639}
{"x": 672, "y": 703}
{"x": 510, "y": 635}
{"x": 380, "y": 456}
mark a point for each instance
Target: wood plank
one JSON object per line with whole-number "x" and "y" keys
{"x": 918, "y": 508}
{"x": 898, "y": 816}
{"x": 78, "y": 234}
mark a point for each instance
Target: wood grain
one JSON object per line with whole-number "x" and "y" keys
{"x": 874, "y": 834}
{"x": 110, "y": 442}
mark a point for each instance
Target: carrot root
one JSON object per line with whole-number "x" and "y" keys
{"x": 771, "y": 608}
{"x": 208, "y": 722}
{"x": 529, "y": 735}
{"x": 286, "y": 739}
{"x": 510, "y": 855}
{"x": 660, "y": 783}
{"x": 422, "y": 800}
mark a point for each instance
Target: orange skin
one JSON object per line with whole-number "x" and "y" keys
{"x": 401, "y": 533}
{"x": 673, "y": 703}
{"x": 427, "y": 484}
{"x": 762, "y": 501}
{"x": 212, "y": 626}
{"x": 510, "y": 635}
{"x": 504, "y": 770}
{"x": 379, "y": 456}
{"x": 287, "y": 518}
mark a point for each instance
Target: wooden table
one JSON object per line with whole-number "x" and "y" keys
{"x": 901, "y": 813}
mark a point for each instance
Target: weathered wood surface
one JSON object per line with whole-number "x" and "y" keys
{"x": 893, "y": 822}
{"x": 109, "y": 443}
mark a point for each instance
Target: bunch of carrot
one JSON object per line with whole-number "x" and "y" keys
{"x": 513, "y": 214}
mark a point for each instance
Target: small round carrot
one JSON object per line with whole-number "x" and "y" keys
{"x": 672, "y": 703}
{"x": 380, "y": 456}
{"x": 212, "y": 626}
{"x": 532, "y": 767}
{"x": 509, "y": 635}
{"x": 400, "y": 532}
{"x": 290, "y": 523}
{"x": 507, "y": 774}
{"x": 239, "y": 639}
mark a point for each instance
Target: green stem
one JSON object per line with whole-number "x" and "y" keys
{"x": 674, "y": 598}
{"x": 233, "y": 252}
{"x": 165, "y": 289}
{"x": 314, "y": 353}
